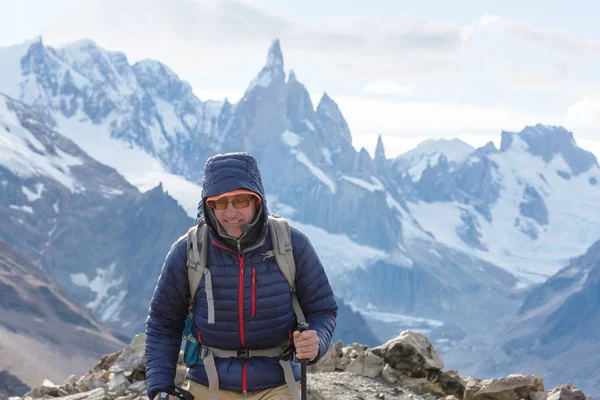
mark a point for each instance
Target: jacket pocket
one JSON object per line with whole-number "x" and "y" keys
{"x": 253, "y": 291}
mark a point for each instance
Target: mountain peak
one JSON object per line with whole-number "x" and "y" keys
{"x": 455, "y": 150}
{"x": 35, "y": 40}
{"x": 331, "y": 116}
{"x": 154, "y": 67}
{"x": 326, "y": 99}
{"x": 275, "y": 57}
{"x": 379, "y": 150}
{"x": 489, "y": 148}
{"x": 272, "y": 72}
{"x": 82, "y": 43}
{"x": 548, "y": 141}
{"x": 292, "y": 76}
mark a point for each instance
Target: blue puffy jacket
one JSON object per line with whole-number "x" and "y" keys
{"x": 253, "y": 302}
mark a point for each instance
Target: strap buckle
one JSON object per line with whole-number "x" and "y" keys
{"x": 193, "y": 264}
{"x": 243, "y": 353}
{"x": 203, "y": 352}
{"x": 287, "y": 352}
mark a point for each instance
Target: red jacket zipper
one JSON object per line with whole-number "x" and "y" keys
{"x": 253, "y": 291}
{"x": 240, "y": 292}
{"x": 241, "y": 310}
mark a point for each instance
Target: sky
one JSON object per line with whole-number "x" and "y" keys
{"x": 405, "y": 70}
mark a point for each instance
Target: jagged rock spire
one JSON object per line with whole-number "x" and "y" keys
{"x": 379, "y": 150}
{"x": 275, "y": 57}
{"x": 331, "y": 117}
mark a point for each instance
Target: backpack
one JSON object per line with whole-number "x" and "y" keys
{"x": 197, "y": 238}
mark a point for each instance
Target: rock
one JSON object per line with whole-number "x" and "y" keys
{"x": 422, "y": 386}
{"x": 373, "y": 365}
{"x": 47, "y": 388}
{"x": 389, "y": 374}
{"x": 472, "y": 386}
{"x": 539, "y": 396}
{"x": 411, "y": 354}
{"x": 137, "y": 387}
{"x": 96, "y": 394}
{"x": 329, "y": 362}
{"x": 452, "y": 383}
{"x": 566, "y": 392}
{"x": 357, "y": 365}
{"x": 127, "y": 397}
{"x": 107, "y": 361}
{"x": 118, "y": 382}
{"x": 369, "y": 375}
{"x": 349, "y": 353}
{"x": 346, "y": 385}
{"x": 71, "y": 380}
{"x": 96, "y": 379}
{"x": 133, "y": 356}
{"x": 513, "y": 387}
{"x": 70, "y": 385}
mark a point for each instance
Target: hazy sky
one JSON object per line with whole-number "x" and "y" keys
{"x": 404, "y": 69}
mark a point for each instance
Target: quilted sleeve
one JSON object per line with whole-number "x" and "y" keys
{"x": 314, "y": 292}
{"x": 166, "y": 319}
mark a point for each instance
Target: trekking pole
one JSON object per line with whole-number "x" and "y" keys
{"x": 303, "y": 326}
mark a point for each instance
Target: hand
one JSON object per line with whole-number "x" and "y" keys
{"x": 307, "y": 345}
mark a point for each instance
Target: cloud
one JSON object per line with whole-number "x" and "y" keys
{"x": 389, "y": 88}
{"x": 433, "y": 118}
{"x": 186, "y": 32}
{"x": 538, "y": 79}
{"x": 585, "y": 114}
{"x": 551, "y": 38}
{"x": 464, "y": 72}
{"x": 424, "y": 35}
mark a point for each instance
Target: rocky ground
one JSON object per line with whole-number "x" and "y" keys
{"x": 405, "y": 368}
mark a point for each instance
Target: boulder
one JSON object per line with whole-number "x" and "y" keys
{"x": 566, "y": 392}
{"x": 411, "y": 354}
{"x": 513, "y": 387}
{"x": 452, "y": 383}
{"x": 330, "y": 361}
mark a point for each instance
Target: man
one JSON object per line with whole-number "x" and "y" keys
{"x": 252, "y": 301}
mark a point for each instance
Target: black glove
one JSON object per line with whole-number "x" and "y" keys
{"x": 177, "y": 392}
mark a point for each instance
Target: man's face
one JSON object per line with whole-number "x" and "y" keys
{"x": 234, "y": 211}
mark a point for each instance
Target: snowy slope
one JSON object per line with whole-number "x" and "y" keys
{"x": 137, "y": 166}
{"x": 24, "y": 155}
{"x": 328, "y": 245}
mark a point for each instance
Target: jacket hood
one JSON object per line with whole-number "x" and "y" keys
{"x": 227, "y": 172}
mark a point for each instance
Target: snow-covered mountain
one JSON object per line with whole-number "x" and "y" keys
{"x": 446, "y": 233}
{"x": 528, "y": 208}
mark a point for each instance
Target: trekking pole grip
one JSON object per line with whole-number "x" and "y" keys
{"x": 303, "y": 326}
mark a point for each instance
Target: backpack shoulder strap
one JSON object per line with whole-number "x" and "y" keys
{"x": 197, "y": 237}
{"x": 281, "y": 239}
